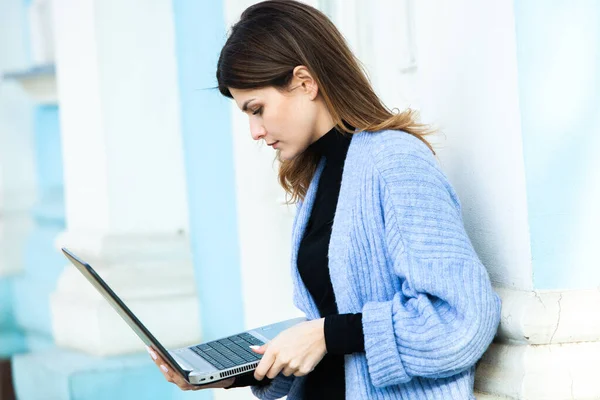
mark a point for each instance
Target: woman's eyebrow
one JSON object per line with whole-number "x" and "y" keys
{"x": 245, "y": 106}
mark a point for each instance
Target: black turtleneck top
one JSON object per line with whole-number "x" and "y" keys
{"x": 343, "y": 332}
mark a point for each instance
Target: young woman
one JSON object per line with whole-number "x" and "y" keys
{"x": 399, "y": 305}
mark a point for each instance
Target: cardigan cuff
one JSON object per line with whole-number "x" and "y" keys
{"x": 383, "y": 359}
{"x": 278, "y": 388}
{"x": 344, "y": 334}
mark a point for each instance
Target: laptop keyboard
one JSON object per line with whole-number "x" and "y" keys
{"x": 229, "y": 352}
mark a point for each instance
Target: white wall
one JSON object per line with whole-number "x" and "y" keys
{"x": 467, "y": 85}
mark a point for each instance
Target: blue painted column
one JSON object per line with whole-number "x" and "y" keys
{"x": 559, "y": 93}
{"x": 11, "y": 337}
{"x": 208, "y": 150}
{"x": 15, "y": 170}
{"x": 42, "y": 264}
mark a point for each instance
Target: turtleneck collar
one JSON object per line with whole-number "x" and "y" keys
{"x": 333, "y": 145}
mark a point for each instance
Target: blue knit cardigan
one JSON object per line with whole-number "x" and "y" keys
{"x": 399, "y": 254}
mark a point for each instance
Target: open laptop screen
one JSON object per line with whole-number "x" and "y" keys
{"x": 123, "y": 311}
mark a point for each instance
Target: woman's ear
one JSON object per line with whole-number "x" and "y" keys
{"x": 303, "y": 78}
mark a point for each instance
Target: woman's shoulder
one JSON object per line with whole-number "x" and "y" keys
{"x": 403, "y": 159}
{"x": 394, "y": 145}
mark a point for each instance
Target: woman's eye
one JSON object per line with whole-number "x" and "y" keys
{"x": 258, "y": 111}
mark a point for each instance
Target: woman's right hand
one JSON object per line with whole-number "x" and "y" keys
{"x": 174, "y": 377}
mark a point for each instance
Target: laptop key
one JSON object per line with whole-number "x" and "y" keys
{"x": 221, "y": 359}
{"x": 247, "y": 356}
{"x": 208, "y": 358}
{"x": 227, "y": 353}
{"x": 254, "y": 340}
{"x": 244, "y": 351}
{"x": 213, "y": 361}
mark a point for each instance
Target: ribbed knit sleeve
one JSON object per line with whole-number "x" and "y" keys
{"x": 278, "y": 388}
{"x": 446, "y": 313}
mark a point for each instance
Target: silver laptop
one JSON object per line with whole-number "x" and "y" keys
{"x": 201, "y": 364}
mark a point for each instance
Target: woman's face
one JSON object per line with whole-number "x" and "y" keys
{"x": 290, "y": 120}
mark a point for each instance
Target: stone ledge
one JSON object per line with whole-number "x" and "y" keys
{"x": 91, "y": 325}
{"x": 111, "y": 248}
{"x": 546, "y": 348}
{"x": 549, "y": 317}
{"x": 39, "y": 82}
{"x": 561, "y": 371}
{"x": 486, "y": 396}
{"x": 66, "y": 375}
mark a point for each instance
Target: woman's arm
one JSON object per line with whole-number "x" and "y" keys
{"x": 447, "y": 313}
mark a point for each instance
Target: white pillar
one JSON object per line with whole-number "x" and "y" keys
{"x": 125, "y": 190}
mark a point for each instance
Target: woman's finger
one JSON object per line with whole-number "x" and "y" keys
{"x": 176, "y": 378}
{"x": 165, "y": 373}
{"x": 169, "y": 375}
{"x": 264, "y": 365}
{"x": 304, "y": 371}
{"x": 288, "y": 371}
{"x": 260, "y": 349}
{"x": 275, "y": 369}
{"x": 155, "y": 356}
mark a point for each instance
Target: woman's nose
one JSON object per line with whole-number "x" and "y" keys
{"x": 257, "y": 130}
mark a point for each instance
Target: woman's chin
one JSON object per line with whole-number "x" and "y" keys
{"x": 287, "y": 155}
{"x": 283, "y": 155}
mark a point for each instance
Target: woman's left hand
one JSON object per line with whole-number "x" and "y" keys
{"x": 295, "y": 351}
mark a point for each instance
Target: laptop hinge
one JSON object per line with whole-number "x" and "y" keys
{"x": 182, "y": 364}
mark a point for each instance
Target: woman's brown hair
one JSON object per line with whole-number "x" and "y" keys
{"x": 273, "y": 37}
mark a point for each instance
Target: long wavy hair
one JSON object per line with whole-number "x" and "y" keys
{"x": 274, "y": 36}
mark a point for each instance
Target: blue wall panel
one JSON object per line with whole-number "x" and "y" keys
{"x": 558, "y": 55}
{"x": 42, "y": 263}
{"x": 208, "y": 149}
